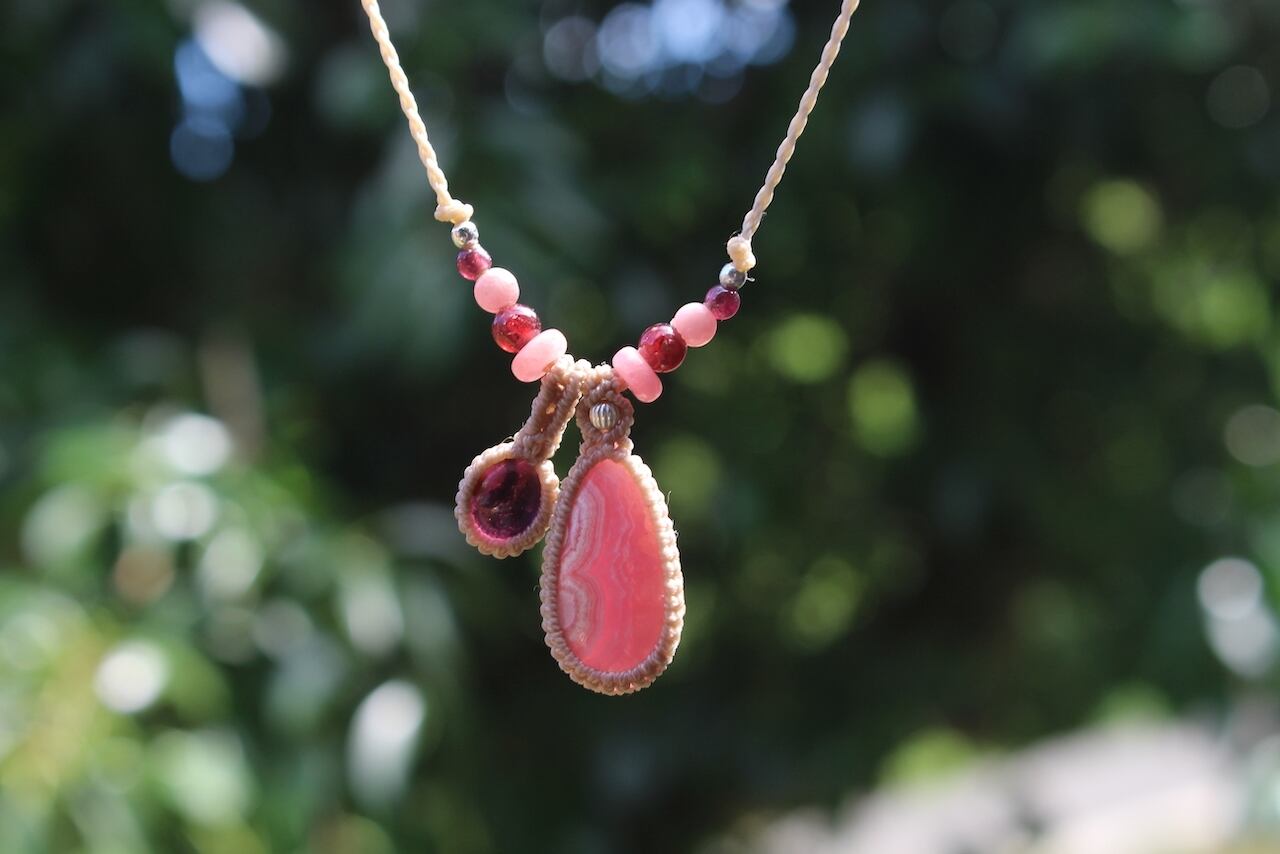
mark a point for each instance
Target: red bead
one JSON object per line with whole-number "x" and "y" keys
{"x": 507, "y": 499}
{"x": 515, "y": 326}
{"x": 723, "y": 302}
{"x": 473, "y": 262}
{"x": 662, "y": 347}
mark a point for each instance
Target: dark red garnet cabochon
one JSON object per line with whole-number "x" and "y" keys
{"x": 507, "y": 499}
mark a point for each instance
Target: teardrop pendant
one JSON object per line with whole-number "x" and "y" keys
{"x": 612, "y": 588}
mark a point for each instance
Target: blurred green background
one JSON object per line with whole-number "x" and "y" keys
{"x": 990, "y": 455}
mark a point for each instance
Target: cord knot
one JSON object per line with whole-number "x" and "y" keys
{"x": 740, "y": 253}
{"x": 454, "y": 211}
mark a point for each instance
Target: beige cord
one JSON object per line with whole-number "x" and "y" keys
{"x": 451, "y": 210}
{"x": 448, "y": 209}
{"x": 740, "y": 244}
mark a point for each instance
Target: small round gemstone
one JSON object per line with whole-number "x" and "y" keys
{"x": 496, "y": 289}
{"x": 507, "y": 499}
{"x": 662, "y": 347}
{"x": 723, "y": 302}
{"x": 465, "y": 234}
{"x": 515, "y": 326}
{"x": 731, "y": 277}
{"x": 695, "y": 323}
{"x": 472, "y": 262}
{"x": 536, "y": 358}
{"x": 636, "y": 375}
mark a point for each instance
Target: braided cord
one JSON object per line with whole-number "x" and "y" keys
{"x": 448, "y": 209}
{"x": 740, "y": 244}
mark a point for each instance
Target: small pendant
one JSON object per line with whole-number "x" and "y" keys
{"x": 612, "y": 588}
{"x": 506, "y": 496}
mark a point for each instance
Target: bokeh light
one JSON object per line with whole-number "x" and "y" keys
{"x": 669, "y": 47}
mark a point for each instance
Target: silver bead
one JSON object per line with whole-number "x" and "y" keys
{"x": 465, "y": 234}
{"x": 604, "y": 416}
{"x": 731, "y": 277}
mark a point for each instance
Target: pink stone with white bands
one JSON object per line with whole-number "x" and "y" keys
{"x": 610, "y": 571}
{"x": 536, "y": 357}
{"x": 612, "y": 589}
{"x": 633, "y": 370}
{"x": 695, "y": 323}
{"x": 496, "y": 289}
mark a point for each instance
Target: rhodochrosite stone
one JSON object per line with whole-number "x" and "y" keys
{"x": 612, "y": 576}
{"x": 612, "y": 591}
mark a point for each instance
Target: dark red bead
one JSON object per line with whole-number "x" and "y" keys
{"x": 723, "y": 302}
{"x": 472, "y": 262}
{"x": 507, "y": 499}
{"x": 662, "y": 347}
{"x": 515, "y": 326}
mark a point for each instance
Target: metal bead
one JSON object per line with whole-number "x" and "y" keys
{"x": 604, "y": 416}
{"x": 465, "y": 234}
{"x": 731, "y": 277}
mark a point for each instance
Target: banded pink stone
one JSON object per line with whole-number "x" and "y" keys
{"x": 612, "y": 597}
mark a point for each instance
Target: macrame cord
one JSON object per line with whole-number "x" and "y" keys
{"x": 455, "y": 211}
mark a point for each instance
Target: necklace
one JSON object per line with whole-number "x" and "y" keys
{"x": 612, "y": 590}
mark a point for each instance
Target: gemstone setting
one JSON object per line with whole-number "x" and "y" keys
{"x": 507, "y": 499}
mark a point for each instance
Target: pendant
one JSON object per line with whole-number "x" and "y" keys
{"x": 612, "y": 589}
{"x": 506, "y": 496}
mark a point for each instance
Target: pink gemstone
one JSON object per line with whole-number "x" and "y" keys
{"x": 496, "y": 289}
{"x": 635, "y": 372}
{"x": 537, "y": 357}
{"x": 662, "y": 347}
{"x": 695, "y": 323}
{"x": 611, "y": 574}
{"x": 507, "y": 499}
{"x": 473, "y": 262}
{"x": 514, "y": 327}
{"x": 723, "y": 302}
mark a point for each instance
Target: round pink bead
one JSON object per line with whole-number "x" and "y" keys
{"x": 496, "y": 289}
{"x": 695, "y": 323}
{"x": 536, "y": 357}
{"x": 636, "y": 373}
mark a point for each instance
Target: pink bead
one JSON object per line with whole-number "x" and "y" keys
{"x": 722, "y": 302}
{"x": 636, "y": 373}
{"x": 536, "y": 357}
{"x": 496, "y": 289}
{"x": 473, "y": 262}
{"x": 695, "y": 323}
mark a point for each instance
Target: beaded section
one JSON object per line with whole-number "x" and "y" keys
{"x": 612, "y": 589}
